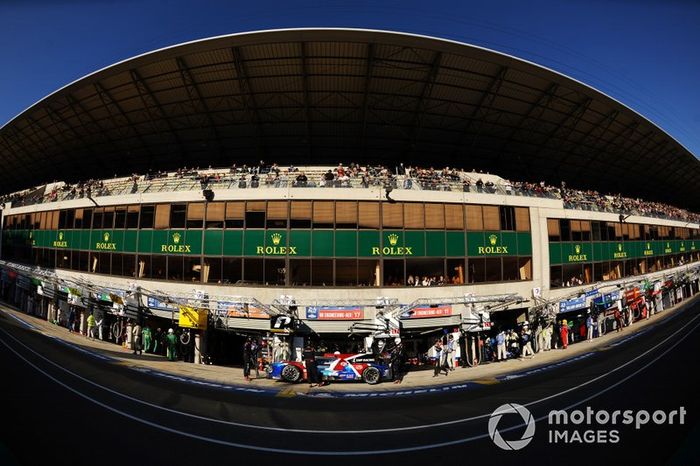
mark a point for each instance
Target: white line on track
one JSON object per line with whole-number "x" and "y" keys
{"x": 342, "y": 453}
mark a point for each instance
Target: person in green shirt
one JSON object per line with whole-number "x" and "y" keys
{"x": 147, "y": 339}
{"x": 91, "y": 326}
{"x": 172, "y": 344}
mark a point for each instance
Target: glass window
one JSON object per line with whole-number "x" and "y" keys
{"x": 275, "y": 271}
{"x": 565, "y": 229}
{"x": 129, "y": 265}
{"x": 511, "y": 271}
{"x": 492, "y": 219}
{"x": 300, "y": 215}
{"x": 525, "y": 266}
{"x": 368, "y": 214}
{"x": 475, "y": 220}
{"x": 97, "y": 216}
{"x": 232, "y": 270}
{"x": 585, "y": 230}
{"x": 211, "y": 270}
{"x": 70, "y": 218}
{"x": 572, "y": 274}
{"x": 555, "y": 276}
{"x": 253, "y": 271}
{"x": 522, "y": 219}
{"x": 84, "y": 261}
{"x": 507, "y": 215}
{"x": 195, "y": 214}
{"x": 144, "y": 266}
{"x": 42, "y": 221}
{"x": 235, "y": 214}
{"x": 346, "y": 214}
{"x": 368, "y": 272}
{"x": 454, "y": 217}
{"x": 120, "y": 217}
{"x": 323, "y": 214}
{"x": 414, "y": 216}
{"x": 476, "y": 270}
{"x": 147, "y": 216}
{"x": 595, "y": 231}
{"x": 216, "y": 214}
{"x": 456, "y": 273}
{"x": 435, "y": 216}
{"x": 421, "y": 269}
{"x": 300, "y": 272}
{"x": 394, "y": 272}
{"x": 575, "y": 230}
{"x": 61, "y": 220}
{"x": 78, "y": 223}
{"x": 162, "y": 217}
{"x": 392, "y": 215}
{"x": 117, "y": 263}
{"x": 158, "y": 267}
{"x": 346, "y": 272}
{"x": 492, "y": 268}
{"x": 108, "y": 218}
{"x": 178, "y": 216}
{"x": 193, "y": 269}
{"x": 553, "y": 229}
{"x": 175, "y": 267}
{"x": 255, "y": 217}
{"x": 322, "y": 272}
{"x": 277, "y": 214}
{"x": 132, "y": 216}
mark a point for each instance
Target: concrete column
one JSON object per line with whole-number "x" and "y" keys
{"x": 198, "y": 340}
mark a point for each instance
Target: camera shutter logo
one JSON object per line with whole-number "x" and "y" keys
{"x": 511, "y": 408}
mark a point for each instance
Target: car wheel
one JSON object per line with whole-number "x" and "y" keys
{"x": 291, "y": 373}
{"x": 371, "y": 375}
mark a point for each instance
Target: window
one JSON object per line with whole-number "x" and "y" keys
{"x": 585, "y": 230}
{"x": 525, "y": 266}
{"x": 97, "y": 216}
{"x": 175, "y": 268}
{"x": 392, "y": 215}
{"x": 195, "y": 214}
{"x": 132, "y": 216}
{"x": 216, "y": 214}
{"x": 456, "y": 273}
{"x": 61, "y": 220}
{"x": 422, "y": 268}
{"x": 511, "y": 270}
{"x": 78, "y": 222}
{"x": 346, "y": 272}
{"x": 277, "y": 214}
{"x": 235, "y": 214}
{"x": 211, "y": 270}
{"x": 253, "y": 271}
{"x": 522, "y": 219}
{"x": 108, "y": 218}
{"x": 492, "y": 268}
{"x": 162, "y": 220}
{"x": 323, "y": 214}
{"x": 454, "y": 217}
{"x": 553, "y": 229}
{"x": 476, "y": 270}
{"x": 595, "y": 231}
{"x": 70, "y": 218}
{"x": 555, "y": 276}
{"x": 147, "y": 216}
{"x": 120, "y": 217}
{"x": 193, "y": 269}
{"x": 394, "y": 272}
{"x": 232, "y": 270}
{"x": 346, "y": 214}
{"x": 300, "y": 272}
{"x": 178, "y": 215}
{"x": 275, "y": 272}
{"x": 368, "y": 272}
{"x": 322, "y": 272}
{"x": 368, "y": 214}
{"x": 300, "y": 215}
{"x": 144, "y": 266}
{"x": 435, "y": 216}
{"x": 565, "y": 229}
{"x": 414, "y": 216}
{"x": 42, "y": 221}
{"x": 158, "y": 267}
{"x": 507, "y": 215}
{"x": 575, "y": 230}
{"x": 255, "y": 217}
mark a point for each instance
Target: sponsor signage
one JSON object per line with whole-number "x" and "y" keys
{"x": 681, "y": 246}
{"x": 667, "y": 248}
{"x": 176, "y": 245}
{"x": 619, "y": 251}
{"x": 648, "y": 249}
{"x": 607, "y": 299}
{"x": 230, "y": 309}
{"x": 106, "y": 244}
{"x": 592, "y": 293}
{"x": 577, "y": 255}
{"x": 276, "y": 246}
{"x": 392, "y": 247}
{"x": 60, "y": 241}
{"x": 572, "y": 304}
{"x": 192, "y": 318}
{"x": 154, "y": 303}
{"x": 335, "y": 313}
{"x": 427, "y": 312}
{"x": 692, "y": 246}
{"x": 493, "y": 247}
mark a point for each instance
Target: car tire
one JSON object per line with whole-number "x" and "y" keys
{"x": 371, "y": 375}
{"x": 291, "y": 374}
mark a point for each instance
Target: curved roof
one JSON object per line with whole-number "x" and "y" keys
{"x": 315, "y": 96}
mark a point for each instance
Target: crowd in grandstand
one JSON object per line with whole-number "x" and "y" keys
{"x": 356, "y": 175}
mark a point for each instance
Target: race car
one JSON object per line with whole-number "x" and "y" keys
{"x": 364, "y": 366}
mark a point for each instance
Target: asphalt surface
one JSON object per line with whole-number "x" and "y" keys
{"x": 62, "y": 406}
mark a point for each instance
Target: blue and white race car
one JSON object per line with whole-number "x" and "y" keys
{"x": 364, "y": 366}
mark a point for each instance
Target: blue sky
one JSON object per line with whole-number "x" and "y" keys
{"x": 641, "y": 52}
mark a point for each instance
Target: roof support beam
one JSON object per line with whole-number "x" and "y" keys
{"x": 485, "y": 102}
{"x": 155, "y": 110}
{"x": 196, "y": 99}
{"x": 249, "y": 102}
{"x": 307, "y": 103}
{"x": 418, "y": 111}
{"x": 574, "y": 116}
{"x": 365, "y": 98}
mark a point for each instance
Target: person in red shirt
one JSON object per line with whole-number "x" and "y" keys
{"x": 564, "y": 333}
